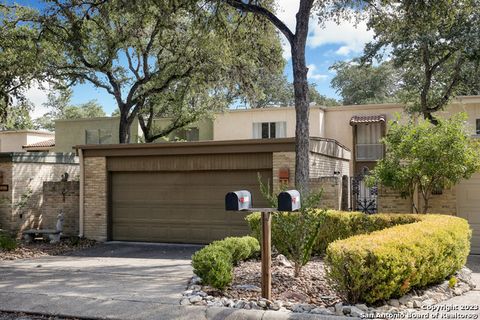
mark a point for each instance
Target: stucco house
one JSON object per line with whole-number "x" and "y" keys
{"x": 104, "y": 130}
{"x": 122, "y": 187}
{"x": 15, "y": 140}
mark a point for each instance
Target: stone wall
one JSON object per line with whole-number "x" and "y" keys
{"x": 95, "y": 198}
{"x": 61, "y": 196}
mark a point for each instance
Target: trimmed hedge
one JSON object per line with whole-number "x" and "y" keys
{"x": 214, "y": 263}
{"x": 335, "y": 225}
{"x": 390, "y": 262}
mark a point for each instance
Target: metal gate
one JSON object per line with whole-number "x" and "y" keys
{"x": 364, "y": 198}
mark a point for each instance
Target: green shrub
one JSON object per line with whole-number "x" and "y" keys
{"x": 334, "y": 225}
{"x": 7, "y": 242}
{"x": 390, "y": 262}
{"x": 341, "y": 225}
{"x": 240, "y": 248}
{"x": 214, "y": 263}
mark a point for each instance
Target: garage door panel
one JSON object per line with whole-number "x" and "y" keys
{"x": 185, "y": 207}
{"x": 468, "y": 207}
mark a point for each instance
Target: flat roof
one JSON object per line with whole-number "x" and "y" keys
{"x": 201, "y": 147}
{"x": 27, "y": 131}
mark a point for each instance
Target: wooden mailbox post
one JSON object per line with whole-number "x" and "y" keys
{"x": 242, "y": 201}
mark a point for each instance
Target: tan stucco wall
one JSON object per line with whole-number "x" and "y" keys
{"x": 205, "y": 128}
{"x": 12, "y": 141}
{"x": 238, "y": 124}
{"x": 69, "y": 133}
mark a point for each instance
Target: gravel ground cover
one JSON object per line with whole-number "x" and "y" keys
{"x": 311, "y": 292}
{"x": 41, "y": 248}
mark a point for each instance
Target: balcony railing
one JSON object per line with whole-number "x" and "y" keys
{"x": 369, "y": 152}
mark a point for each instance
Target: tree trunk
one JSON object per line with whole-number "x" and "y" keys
{"x": 302, "y": 104}
{"x": 425, "y": 205}
{"x": 124, "y": 128}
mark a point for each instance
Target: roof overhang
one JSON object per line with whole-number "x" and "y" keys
{"x": 368, "y": 119}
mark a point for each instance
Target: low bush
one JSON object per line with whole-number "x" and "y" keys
{"x": 7, "y": 242}
{"x": 214, "y": 263}
{"x": 390, "y": 262}
{"x": 334, "y": 225}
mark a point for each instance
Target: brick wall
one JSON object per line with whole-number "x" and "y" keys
{"x": 332, "y": 191}
{"x": 6, "y": 196}
{"x": 445, "y": 203}
{"x": 324, "y": 166}
{"x": 61, "y": 196}
{"x": 95, "y": 198}
{"x": 390, "y": 201}
{"x": 283, "y": 160}
{"x": 27, "y": 191}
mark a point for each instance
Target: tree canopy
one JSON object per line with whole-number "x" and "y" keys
{"x": 433, "y": 42}
{"x": 21, "y": 65}
{"x": 146, "y": 51}
{"x": 427, "y": 157}
{"x": 60, "y": 108}
{"x": 276, "y": 90}
{"x": 365, "y": 83}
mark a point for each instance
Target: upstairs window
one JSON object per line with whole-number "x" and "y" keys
{"x": 269, "y": 130}
{"x": 369, "y": 146}
{"x": 98, "y": 136}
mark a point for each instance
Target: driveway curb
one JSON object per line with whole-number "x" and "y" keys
{"x": 90, "y": 308}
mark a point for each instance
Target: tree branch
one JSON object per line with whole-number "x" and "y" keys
{"x": 253, "y": 8}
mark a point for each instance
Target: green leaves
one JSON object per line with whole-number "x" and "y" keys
{"x": 364, "y": 84}
{"x": 435, "y": 46}
{"x": 424, "y": 156}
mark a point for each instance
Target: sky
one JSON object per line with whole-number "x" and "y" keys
{"x": 326, "y": 45}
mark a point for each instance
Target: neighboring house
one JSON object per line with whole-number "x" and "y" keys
{"x": 14, "y": 141}
{"x": 175, "y": 188}
{"x": 42, "y": 146}
{"x": 104, "y": 130}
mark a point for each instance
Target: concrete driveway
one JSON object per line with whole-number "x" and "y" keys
{"x": 106, "y": 276}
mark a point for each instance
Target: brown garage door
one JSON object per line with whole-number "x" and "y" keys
{"x": 468, "y": 207}
{"x": 181, "y": 207}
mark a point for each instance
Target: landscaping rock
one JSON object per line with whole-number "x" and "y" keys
{"x": 362, "y": 307}
{"x": 195, "y": 299}
{"x": 356, "y": 312}
{"x": 247, "y": 287}
{"x": 339, "y": 308}
{"x": 283, "y": 261}
{"x": 346, "y": 310}
{"x": 394, "y": 303}
{"x": 321, "y": 310}
{"x": 185, "y": 302}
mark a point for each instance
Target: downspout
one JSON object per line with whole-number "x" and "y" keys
{"x": 82, "y": 185}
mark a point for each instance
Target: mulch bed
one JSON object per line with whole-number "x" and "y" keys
{"x": 41, "y": 249}
{"x": 311, "y": 287}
